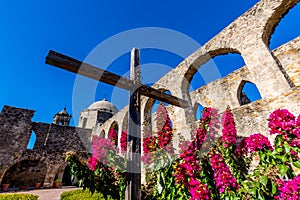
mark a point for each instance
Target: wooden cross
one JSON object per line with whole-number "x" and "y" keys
{"x": 136, "y": 88}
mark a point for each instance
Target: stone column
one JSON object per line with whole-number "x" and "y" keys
{"x": 265, "y": 70}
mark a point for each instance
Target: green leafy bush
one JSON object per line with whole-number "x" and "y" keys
{"x": 18, "y": 197}
{"x": 82, "y": 194}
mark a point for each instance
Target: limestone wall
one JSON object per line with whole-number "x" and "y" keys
{"x": 46, "y": 160}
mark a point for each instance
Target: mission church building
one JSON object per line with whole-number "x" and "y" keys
{"x": 96, "y": 115}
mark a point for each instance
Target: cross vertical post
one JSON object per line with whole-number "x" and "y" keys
{"x": 133, "y": 191}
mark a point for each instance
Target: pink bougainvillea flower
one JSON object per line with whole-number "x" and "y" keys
{"x": 222, "y": 175}
{"x": 289, "y": 189}
{"x": 92, "y": 163}
{"x": 229, "y": 135}
{"x": 123, "y": 140}
{"x": 281, "y": 121}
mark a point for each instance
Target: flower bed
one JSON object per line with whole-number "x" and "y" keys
{"x": 207, "y": 167}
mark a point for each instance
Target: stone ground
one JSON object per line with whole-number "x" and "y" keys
{"x": 49, "y": 194}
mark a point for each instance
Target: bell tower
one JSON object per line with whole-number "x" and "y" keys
{"x": 62, "y": 118}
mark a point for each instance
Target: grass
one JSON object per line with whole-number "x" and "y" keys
{"x": 18, "y": 197}
{"x": 82, "y": 194}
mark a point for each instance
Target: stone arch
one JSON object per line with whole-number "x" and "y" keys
{"x": 243, "y": 96}
{"x": 216, "y": 68}
{"x": 287, "y": 27}
{"x": 198, "y": 108}
{"x": 198, "y": 62}
{"x": 102, "y": 134}
{"x": 114, "y": 126}
{"x": 61, "y": 171}
{"x": 276, "y": 17}
{"x": 67, "y": 177}
{"x": 125, "y": 122}
{"x": 26, "y": 156}
{"x": 148, "y": 114}
{"x": 25, "y": 172}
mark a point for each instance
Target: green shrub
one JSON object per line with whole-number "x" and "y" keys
{"x": 18, "y": 197}
{"x": 82, "y": 194}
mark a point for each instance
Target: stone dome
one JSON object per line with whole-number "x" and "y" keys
{"x": 103, "y": 105}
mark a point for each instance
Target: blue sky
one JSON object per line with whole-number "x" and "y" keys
{"x": 29, "y": 29}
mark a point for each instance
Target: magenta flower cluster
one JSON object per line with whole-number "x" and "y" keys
{"x": 186, "y": 172}
{"x": 222, "y": 175}
{"x": 151, "y": 143}
{"x": 92, "y": 163}
{"x": 281, "y": 121}
{"x": 113, "y": 135}
{"x": 188, "y": 169}
{"x": 123, "y": 141}
{"x": 284, "y": 123}
{"x": 253, "y": 143}
{"x": 164, "y": 126}
{"x": 198, "y": 190}
{"x": 100, "y": 147}
{"x": 189, "y": 166}
{"x": 229, "y": 135}
{"x": 289, "y": 189}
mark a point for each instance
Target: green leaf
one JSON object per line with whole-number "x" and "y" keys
{"x": 278, "y": 140}
{"x": 274, "y": 189}
{"x": 283, "y": 158}
{"x": 260, "y": 197}
{"x": 287, "y": 148}
{"x": 264, "y": 180}
{"x": 282, "y": 169}
{"x": 297, "y": 164}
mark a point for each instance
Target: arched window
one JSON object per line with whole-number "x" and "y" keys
{"x": 287, "y": 29}
{"x": 198, "y": 108}
{"x": 247, "y": 93}
{"x": 156, "y": 102}
{"x": 32, "y": 140}
{"x": 113, "y": 132}
{"x": 216, "y": 68}
{"x": 102, "y": 134}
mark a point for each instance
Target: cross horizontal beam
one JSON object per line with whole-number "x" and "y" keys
{"x": 70, "y": 64}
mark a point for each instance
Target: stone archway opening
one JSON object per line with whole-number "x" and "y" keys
{"x": 150, "y": 114}
{"x": 198, "y": 108}
{"x": 215, "y": 68}
{"x": 102, "y": 134}
{"x": 286, "y": 29}
{"x": 67, "y": 177}
{"x": 26, "y": 172}
{"x": 247, "y": 93}
{"x": 113, "y": 132}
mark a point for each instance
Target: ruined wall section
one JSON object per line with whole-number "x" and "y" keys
{"x": 59, "y": 138}
{"x": 223, "y": 92}
{"x": 15, "y": 131}
{"x": 52, "y": 142}
{"x": 289, "y": 57}
{"x": 252, "y": 118}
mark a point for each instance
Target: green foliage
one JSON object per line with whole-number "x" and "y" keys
{"x": 83, "y": 194}
{"x": 161, "y": 185}
{"x": 104, "y": 180}
{"x": 18, "y": 197}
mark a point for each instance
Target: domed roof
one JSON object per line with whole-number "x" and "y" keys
{"x": 103, "y": 105}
